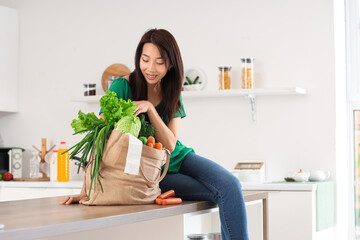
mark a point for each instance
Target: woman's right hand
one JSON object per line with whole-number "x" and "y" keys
{"x": 77, "y": 199}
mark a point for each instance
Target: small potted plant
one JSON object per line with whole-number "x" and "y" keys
{"x": 192, "y": 84}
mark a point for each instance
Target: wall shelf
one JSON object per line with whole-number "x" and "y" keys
{"x": 244, "y": 92}
{"x": 219, "y": 93}
{"x": 251, "y": 94}
{"x": 87, "y": 99}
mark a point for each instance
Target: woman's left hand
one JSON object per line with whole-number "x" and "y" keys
{"x": 142, "y": 107}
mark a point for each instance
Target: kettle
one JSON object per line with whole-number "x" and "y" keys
{"x": 301, "y": 176}
{"x": 319, "y": 175}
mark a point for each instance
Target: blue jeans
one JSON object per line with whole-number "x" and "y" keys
{"x": 202, "y": 179}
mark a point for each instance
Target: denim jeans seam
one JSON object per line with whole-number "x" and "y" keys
{"x": 219, "y": 194}
{"x": 198, "y": 194}
{"x": 222, "y": 203}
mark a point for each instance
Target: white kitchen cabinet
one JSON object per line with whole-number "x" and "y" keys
{"x": 292, "y": 214}
{"x": 209, "y": 222}
{"x": 9, "y": 29}
{"x": 299, "y": 210}
{"x": 10, "y": 191}
{"x": 10, "y": 194}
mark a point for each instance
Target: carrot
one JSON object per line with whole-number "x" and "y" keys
{"x": 158, "y": 146}
{"x": 151, "y": 139}
{"x": 167, "y": 194}
{"x": 150, "y": 144}
{"x": 171, "y": 200}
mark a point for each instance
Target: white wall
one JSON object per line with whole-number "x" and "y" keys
{"x": 66, "y": 43}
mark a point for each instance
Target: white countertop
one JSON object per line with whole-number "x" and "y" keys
{"x": 279, "y": 186}
{"x": 71, "y": 184}
{"x": 248, "y": 186}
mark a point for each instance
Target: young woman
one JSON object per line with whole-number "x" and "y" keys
{"x": 155, "y": 87}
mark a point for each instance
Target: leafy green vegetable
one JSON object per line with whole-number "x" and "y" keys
{"x": 114, "y": 109}
{"x": 85, "y": 122}
{"x": 97, "y": 130}
{"x": 188, "y": 80}
{"x": 143, "y": 139}
{"x": 191, "y": 82}
{"x": 117, "y": 113}
{"x": 196, "y": 79}
{"x": 129, "y": 124}
{"x": 147, "y": 129}
{"x": 95, "y": 138}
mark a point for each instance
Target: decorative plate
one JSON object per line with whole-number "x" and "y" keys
{"x": 192, "y": 74}
{"x": 116, "y": 69}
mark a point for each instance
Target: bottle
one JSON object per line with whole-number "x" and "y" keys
{"x": 224, "y": 78}
{"x": 62, "y": 163}
{"x": 34, "y": 165}
{"x": 53, "y": 166}
{"x": 247, "y": 74}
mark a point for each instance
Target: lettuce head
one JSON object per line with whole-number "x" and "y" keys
{"x": 114, "y": 109}
{"x": 129, "y": 124}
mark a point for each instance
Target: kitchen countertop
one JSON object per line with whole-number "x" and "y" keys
{"x": 44, "y": 217}
{"x": 19, "y": 184}
{"x": 279, "y": 186}
{"x": 249, "y": 186}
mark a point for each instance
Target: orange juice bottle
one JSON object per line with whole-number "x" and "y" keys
{"x": 62, "y": 163}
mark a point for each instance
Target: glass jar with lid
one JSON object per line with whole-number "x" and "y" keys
{"x": 89, "y": 89}
{"x": 224, "y": 77}
{"x": 247, "y": 73}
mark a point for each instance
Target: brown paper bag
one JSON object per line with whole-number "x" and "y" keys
{"x": 123, "y": 188}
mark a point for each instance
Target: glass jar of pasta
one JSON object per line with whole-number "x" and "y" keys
{"x": 224, "y": 77}
{"x": 247, "y": 73}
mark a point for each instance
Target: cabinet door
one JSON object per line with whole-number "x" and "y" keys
{"x": 9, "y": 42}
{"x": 292, "y": 215}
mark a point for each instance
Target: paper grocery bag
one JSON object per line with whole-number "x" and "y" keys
{"x": 129, "y": 172}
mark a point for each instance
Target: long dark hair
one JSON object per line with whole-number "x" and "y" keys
{"x": 171, "y": 83}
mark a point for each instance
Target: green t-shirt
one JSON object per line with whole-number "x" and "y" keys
{"x": 122, "y": 89}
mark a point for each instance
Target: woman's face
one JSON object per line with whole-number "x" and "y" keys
{"x": 152, "y": 65}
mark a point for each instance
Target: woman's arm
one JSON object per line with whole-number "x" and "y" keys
{"x": 167, "y": 135}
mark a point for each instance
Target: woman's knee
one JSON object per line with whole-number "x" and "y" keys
{"x": 230, "y": 184}
{"x": 232, "y": 189}
{"x": 235, "y": 182}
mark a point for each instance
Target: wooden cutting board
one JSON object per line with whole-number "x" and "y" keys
{"x": 43, "y": 179}
{"x": 116, "y": 69}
